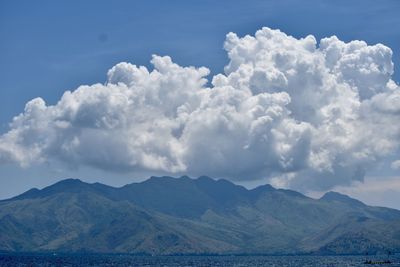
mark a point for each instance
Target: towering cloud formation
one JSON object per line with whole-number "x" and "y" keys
{"x": 301, "y": 114}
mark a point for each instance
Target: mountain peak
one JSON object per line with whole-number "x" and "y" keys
{"x": 265, "y": 187}
{"x": 70, "y": 181}
{"x": 332, "y": 196}
{"x": 166, "y": 178}
{"x": 66, "y": 185}
{"x": 205, "y": 178}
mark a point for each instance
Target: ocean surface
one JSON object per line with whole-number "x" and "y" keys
{"x": 186, "y": 261}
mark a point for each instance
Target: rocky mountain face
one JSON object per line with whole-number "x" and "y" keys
{"x": 166, "y": 215}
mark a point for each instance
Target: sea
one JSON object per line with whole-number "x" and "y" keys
{"x": 195, "y": 261}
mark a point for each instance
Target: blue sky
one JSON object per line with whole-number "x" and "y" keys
{"x": 48, "y": 47}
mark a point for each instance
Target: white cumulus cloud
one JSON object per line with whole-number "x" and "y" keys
{"x": 303, "y": 114}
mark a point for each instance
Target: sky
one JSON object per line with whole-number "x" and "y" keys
{"x": 288, "y": 104}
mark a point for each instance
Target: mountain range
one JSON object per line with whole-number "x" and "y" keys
{"x": 166, "y": 215}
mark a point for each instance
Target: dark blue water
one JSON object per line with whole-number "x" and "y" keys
{"x": 186, "y": 261}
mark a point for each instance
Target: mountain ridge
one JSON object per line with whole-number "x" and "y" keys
{"x": 166, "y": 215}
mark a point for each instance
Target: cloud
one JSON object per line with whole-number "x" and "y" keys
{"x": 303, "y": 115}
{"x": 395, "y": 165}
